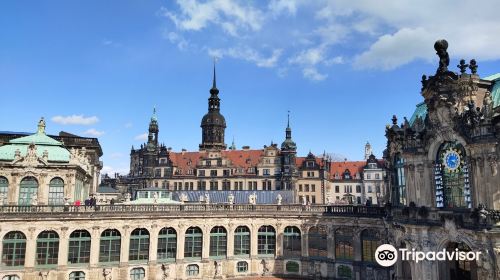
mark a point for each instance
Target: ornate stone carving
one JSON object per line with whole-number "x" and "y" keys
{"x": 444, "y": 59}
{"x": 462, "y": 66}
{"x": 165, "y": 268}
{"x": 265, "y": 268}
{"x": 107, "y": 273}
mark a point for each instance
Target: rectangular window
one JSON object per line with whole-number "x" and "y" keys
{"x": 225, "y": 172}
{"x": 313, "y": 188}
{"x": 358, "y": 188}
{"x": 368, "y": 176}
{"x": 306, "y": 187}
{"x": 213, "y": 173}
{"x": 201, "y": 173}
{"x": 300, "y": 188}
{"x": 337, "y": 189}
{"x": 377, "y": 176}
{"x": 266, "y": 172}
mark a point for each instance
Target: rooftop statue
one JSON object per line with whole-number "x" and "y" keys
{"x": 444, "y": 59}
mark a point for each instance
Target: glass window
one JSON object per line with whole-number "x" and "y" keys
{"x": 27, "y": 189}
{"x": 242, "y": 241}
{"x": 56, "y": 191}
{"x": 167, "y": 244}
{"x": 79, "y": 247}
{"x": 266, "y": 240}
{"x": 344, "y": 272}
{"x": 4, "y": 189}
{"x": 369, "y": 243}
{"x": 292, "y": 242}
{"x": 193, "y": 243}
{"x": 400, "y": 182}
{"x": 137, "y": 273}
{"x": 318, "y": 242}
{"x": 192, "y": 270}
{"x": 11, "y": 277}
{"x": 218, "y": 242}
{"x": 110, "y": 246}
{"x": 139, "y": 245}
{"x": 77, "y": 275}
{"x": 344, "y": 249}
{"x": 13, "y": 249}
{"x": 242, "y": 267}
{"x": 292, "y": 267}
{"x": 47, "y": 248}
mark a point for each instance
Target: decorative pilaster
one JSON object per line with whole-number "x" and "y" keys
{"x": 153, "y": 243}
{"x": 94, "y": 246}
{"x": 125, "y": 245}
{"x": 305, "y": 240}
{"x": 30, "y": 254}
{"x": 63, "y": 247}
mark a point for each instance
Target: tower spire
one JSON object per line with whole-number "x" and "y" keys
{"x": 288, "y": 123}
{"x": 214, "y": 82}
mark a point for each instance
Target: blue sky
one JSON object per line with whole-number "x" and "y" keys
{"x": 97, "y": 68}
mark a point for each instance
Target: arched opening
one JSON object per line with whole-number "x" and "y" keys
{"x": 193, "y": 243}
{"x": 47, "y": 248}
{"x": 4, "y": 190}
{"x": 79, "y": 247}
{"x": 139, "y": 245}
{"x": 218, "y": 242}
{"x": 451, "y": 173}
{"x": 318, "y": 242}
{"x": 167, "y": 244}
{"x": 292, "y": 246}
{"x": 56, "y": 191}
{"x": 344, "y": 249}
{"x": 457, "y": 269}
{"x": 28, "y": 190}
{"x": 266, "y": 241}
{"x": 14, "y": 249}
{"x": 110, "y": 246}
{"x": 242, "y": 241}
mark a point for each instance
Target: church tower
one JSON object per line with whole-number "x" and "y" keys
{"x": 213, "y": 124}
{"x": 288, "y": 154}
{"x": 368, "y": 150}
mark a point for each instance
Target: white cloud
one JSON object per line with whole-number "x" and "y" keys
{"x": 248, "y": 54}
{"x": 230, "y": 15}
{"x": 110, "y": 170}
{"x": 141, "y": 137}
{"x": 278, "y": 7}
{"x": 93, "y": 132}
{"x": 75, "y": 120}
{"x": 312, "y": 73}
{"x": 310, "y": 56}
{"x": 177, "y": 39}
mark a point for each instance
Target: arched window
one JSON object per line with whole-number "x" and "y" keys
{"x": 137, "y": 273}
{"x": 79, "y": 247}
{"x": 344, "y": 249}
{"x": 242, "y": 241}
{"x": 4, "y": 189}
{"x": 56, "y": 191}
{"x": 292, "y": 242}
{"x": 11, "y": 277}
{"x": 266, "y": 240}
{"x": 344, "y": 272}
{"x": 318, "y": 242}
{"x": 110, "y": 246}
{"x": 47, "y": 248}
{"x": 192, "y": 270}
{"x": 13, "y": 249}
{"x": 218, "y": 242}
{"x": 77, "y": 275}
{"x": 399, "y": 181}
{"x": 242, "y": 267}
{"x": 167, "y": 244}
{"x": 27, "y": 189}
{"x": 139, "y": 245}
{"x": 451, "y": 173}
{"x": 369, "y": 243}
{"x": 193, "y": 243}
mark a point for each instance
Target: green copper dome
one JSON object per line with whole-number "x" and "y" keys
{"x": 43, "y": 143}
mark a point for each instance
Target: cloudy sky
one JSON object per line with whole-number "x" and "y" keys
{"x": 343, "y": 68}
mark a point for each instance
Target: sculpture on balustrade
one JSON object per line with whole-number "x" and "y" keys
{"x": 252, "y": 198}
{"x": 279, "y": 198}
{"x": 230, "y": 198}
{"x": 106, "y": 272}
{"x": 155, "y": 197}
{"x": 304, "y": 201}
{"x": 207, "y": 198}
{"x": 183, "y": 197}
{"x": 328, "y": 199}
{"x": 34, "y": 199}
{"x": 165, "y": 268}
{"x": 127, "y": 197}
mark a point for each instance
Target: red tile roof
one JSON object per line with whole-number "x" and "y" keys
{"x": 339, "y": 167}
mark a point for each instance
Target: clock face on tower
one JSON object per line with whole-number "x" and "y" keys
{"x": 451, "y": 160}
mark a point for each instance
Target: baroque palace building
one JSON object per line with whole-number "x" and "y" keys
{"x": 441, "y": 168}
{"x": 311, "y": 179}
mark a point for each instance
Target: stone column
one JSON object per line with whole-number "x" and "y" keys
{"x": 14, "y": 185}
{"x": 230, "y": 240}
{"x": 253, "y": 240}
{"x": 357, "y": 246}
{"x": 43, "y": 189}
{"x": 181, "y": 234}
{"x": 125, "y": 244}
{"x": 153, "y": 243}
{"x": 305, "y": 240}
{"x": 331, "y": 242}
{"x": 206, "y": 242}
{"x": 63, "y": 248}
{"x": 279, "y": 239}
{"x": 94, "y": 246}
{"x": 30, "y": 253}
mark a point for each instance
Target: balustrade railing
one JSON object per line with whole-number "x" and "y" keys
{"x": 340, "y": 210}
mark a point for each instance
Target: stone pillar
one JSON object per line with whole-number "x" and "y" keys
{"x": 153, "y": 243}
{"x": 357, "y": 246}
{"x": 253, "y": 240}
{"x": 230, "y": 241}
{"x": 305, "y": 240}
{"x": 13, "y": 194}
{"x": 206, "y": 242}
{"x": 63, "y": 248}
{"x": 43, "y": 189}
{"x": 31, "y": 253}
{"x": 94, "y": 246}
{"x": 125, "y": 244}
{"x": 279, "y": 239}
{"x": 181, "y": 234}
{"x": 331, "y": 242}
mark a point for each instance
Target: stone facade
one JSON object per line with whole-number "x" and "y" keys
{"x": 442, "y": 166}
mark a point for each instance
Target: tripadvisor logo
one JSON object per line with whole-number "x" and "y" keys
{"x": 386, "y": 255}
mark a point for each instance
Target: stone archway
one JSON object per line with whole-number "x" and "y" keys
{"x": 457, "y": 269}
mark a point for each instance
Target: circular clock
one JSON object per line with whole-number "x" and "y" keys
{"x": 451, "y": 160}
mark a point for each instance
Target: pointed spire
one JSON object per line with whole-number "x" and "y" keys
{"x": 154, "y": 117}
{"x": 288, "y": 123}
{"x": 214, "y": 81}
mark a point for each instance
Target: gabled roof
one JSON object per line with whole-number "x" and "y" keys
{"x": 339, "y": 167}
